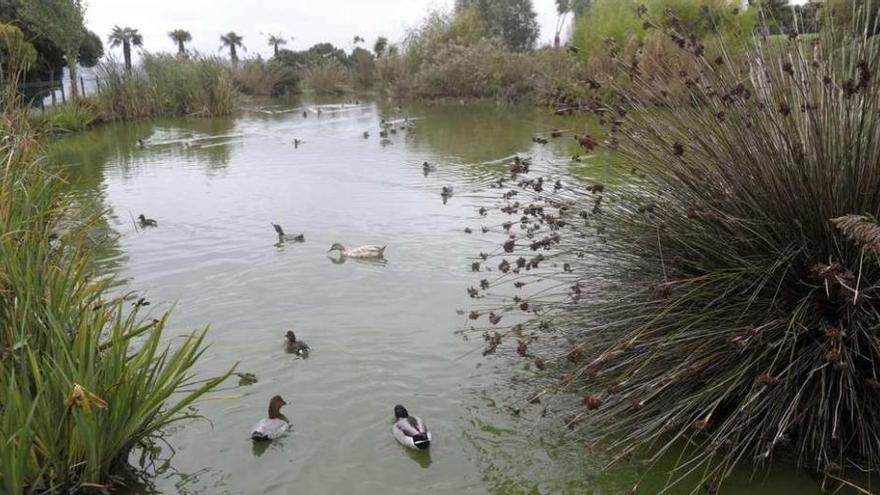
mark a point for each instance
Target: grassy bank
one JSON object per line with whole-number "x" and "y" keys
{"x": 84, "y": 378}
{"x": 720, "y": 308}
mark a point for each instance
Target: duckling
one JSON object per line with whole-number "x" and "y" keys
{"x": 367, "y": 251}
{"x": 275, "y": 425}
{"x": 294, "y": 346}
{"x": 288, "y": 237}
{"x": 146, "y": 222}
{"x": 410, "y": 431}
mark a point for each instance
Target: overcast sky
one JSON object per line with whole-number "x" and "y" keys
{"x": 307, "y": 21}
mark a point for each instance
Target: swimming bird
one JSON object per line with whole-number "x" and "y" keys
{"x": 427, "y": 167}
{"x": 446, "y": 191}
{"x": 294, "y": 346}
{"x": 367, "y": 251}
{"x": 141, "y": 144}
{"x": 366, "y": 135}
{"x": 147, "y": 222}
{"x": 305, "y": 114}
{"x": 288, "y": 237}
{"x": 275, "y": 425}
{"x": 410, "y": 431}
{"x": 296, "y": 143}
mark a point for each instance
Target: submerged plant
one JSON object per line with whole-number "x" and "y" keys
{"x": 724, "y": 306}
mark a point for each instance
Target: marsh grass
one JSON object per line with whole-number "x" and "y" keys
{"x": 329, "y": 77}
{"x": 84, "y": 378}
{"x": 167, "y": 85}
{"x": 722, "y": 307}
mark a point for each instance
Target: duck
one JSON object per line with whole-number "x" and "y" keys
{"x": 275, "y": 425}
{"x": 141, "y": 144}
{"x": 305, "y": 114}
{"x": 367, "y": 251}
{"x": 146, "y": 222}
{"x": 366, "y": 134}
{"x": 296, "y": 143}
{"x": 410, "y": 431}
{"x": 294, "y": 346}
{"x": 446, "y": 191}
{"x": 288, "y": 237}
{"x": 427, "y": 167}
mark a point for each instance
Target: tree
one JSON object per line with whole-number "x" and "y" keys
{"x": 232, "y": 41}
{"x": 358, "y": 39}
{"x": 62, "y": 22}
{"x": 90, "y": 50}
{"x": 126, "y": 37}
{"x": 16, "y": 57}
{"x": 380, "y": 46}
{"x": 181, "y": 37}
{"x": 512, "y": 21}
{"x": 565, "y": 7}
{"x": 276, "y": 40}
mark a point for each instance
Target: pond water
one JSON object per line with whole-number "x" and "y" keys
{"x": 381, "y": 334}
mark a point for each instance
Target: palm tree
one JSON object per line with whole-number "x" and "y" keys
{"x": 380, "y": 46}
{"x": 232, "y": 41}
{"x": 180, "y": 36}
{"x": 126, "y": 37}
{"x": 275, "y": 40}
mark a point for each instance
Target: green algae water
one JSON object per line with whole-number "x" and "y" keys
{"x": 381, "y": 334}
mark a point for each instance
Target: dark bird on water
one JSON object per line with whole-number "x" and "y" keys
{"x": 147, "y": 222}
{"x": 288, "y": 237}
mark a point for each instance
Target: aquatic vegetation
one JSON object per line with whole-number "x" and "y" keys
{"x": 722, "y": 307}
{"x": 256, "y": 77}
{"x": 165, "y": 85}
{"x": 328, "y": 77}
{"x": 78, "y": 116}
{"x": 85, "y": 378}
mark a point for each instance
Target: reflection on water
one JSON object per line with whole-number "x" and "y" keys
{"x": 383, "y": 332}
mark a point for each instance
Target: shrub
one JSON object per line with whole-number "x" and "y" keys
{"x": 75, "y": 117}
{"x": 722, "y": 305}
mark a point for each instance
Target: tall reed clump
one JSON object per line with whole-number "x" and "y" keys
{"x": 259, "y": 78}
{"x": 84, "y": 379}
{"x": 167, "y": 85}
{"x": 722, "y": 307}
{"x": 329, "y": 77}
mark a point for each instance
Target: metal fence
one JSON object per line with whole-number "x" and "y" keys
{"x": 43, "y": 94}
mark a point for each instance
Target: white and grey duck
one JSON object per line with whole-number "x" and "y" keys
{"x": 366, "y": 251}
{"x": 275, "y": 425}
{"x": 410, "y": 431}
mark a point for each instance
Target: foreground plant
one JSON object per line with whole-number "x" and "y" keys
{"x": 722, "y": 306}
{"x": 84, "y": 379}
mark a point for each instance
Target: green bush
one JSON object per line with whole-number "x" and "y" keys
{"x": 77, "y": 116}
{"x": 84, "y": 379}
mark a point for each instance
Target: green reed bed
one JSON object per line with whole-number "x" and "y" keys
{"x": 168, "y": 85}
{"x": 721, "y": 308}
{"x": 84, "y": 378}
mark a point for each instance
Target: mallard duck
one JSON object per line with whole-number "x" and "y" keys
{"x": 368, "y": 251}
{"x": 287, "y": 237}
{"x": 141, "y": 144}
{"x": 296, "y": 143}
{"x": 305, "y": 114}
{"x": 446, "y": 191}
{"x": 146, "y": 222}
{"x": 294, "y": 346}
{"x": 366, "y": 135}
{"x": 427, "y": 167}
{"x": 275, "y": 425}
{"x": 410, "y": 431}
